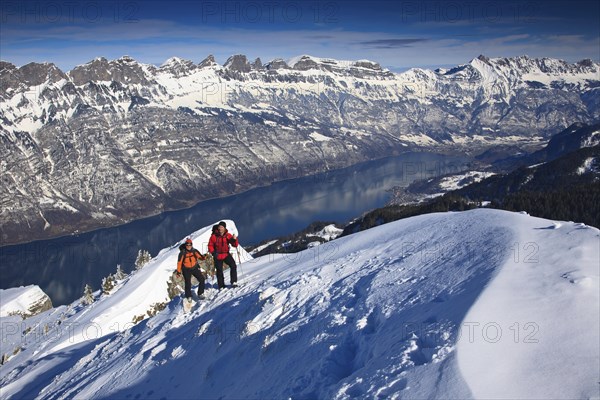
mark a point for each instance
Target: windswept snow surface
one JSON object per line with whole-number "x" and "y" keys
{"x": 478, "y": 304}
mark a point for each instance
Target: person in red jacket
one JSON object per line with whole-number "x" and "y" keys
{"x": 187, "y": 262}
{"x": 218, "y": 246}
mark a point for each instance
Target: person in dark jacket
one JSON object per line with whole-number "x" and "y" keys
{"x": 218, "y": 246}
{"x": 187, "y": 263}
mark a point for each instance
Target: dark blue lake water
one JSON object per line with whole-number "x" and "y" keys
{"x": 62, "y": 266}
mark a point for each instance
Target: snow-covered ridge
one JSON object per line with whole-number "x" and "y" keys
{"x": 141, "y": 291}
{"x": 311, "y": 62}
{"x": 449, "y": 305}
{"x": 25, "y": 301}
{"x": 328, "y": 233}
{"x": 262, "y": 247}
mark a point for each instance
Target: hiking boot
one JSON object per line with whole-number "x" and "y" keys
{"x": 201, "y": 297}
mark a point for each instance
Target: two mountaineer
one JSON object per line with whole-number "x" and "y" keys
{"x": 218, "y": 246}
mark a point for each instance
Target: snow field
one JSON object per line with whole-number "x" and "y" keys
{"x": 538, "y": 320}
{"x": 397, "y": 311}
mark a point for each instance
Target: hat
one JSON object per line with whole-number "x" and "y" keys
{"x": 223, "y": 224}
{"x": 188, "y": 241}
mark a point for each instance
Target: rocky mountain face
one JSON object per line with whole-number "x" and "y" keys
{"x": 575, "y": 137}
{"x": 505, "y": 174}
{"x": 111, "y": 141}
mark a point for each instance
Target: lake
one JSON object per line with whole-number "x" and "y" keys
{"x": 62, "y": 266}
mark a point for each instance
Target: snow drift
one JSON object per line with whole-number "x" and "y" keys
{"x": 25, "y": 301}
{"x": 478, "y": 304}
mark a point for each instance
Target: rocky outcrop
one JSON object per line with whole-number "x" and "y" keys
{"x": 24, "y": 301}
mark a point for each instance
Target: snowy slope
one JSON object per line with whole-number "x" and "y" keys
{"x": 136, "y": 296}
{"x": 479, "y": 304}
{"x": 131, "y": 299}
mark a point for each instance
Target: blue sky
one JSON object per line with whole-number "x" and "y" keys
{"x": 397, "y": 34}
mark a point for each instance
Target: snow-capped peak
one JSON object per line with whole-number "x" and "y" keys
{"x": 238, "y": 62}
{"x": 485, "y": 69}
{"x": 525, "y": 65}
{"x": 306, "y": 62}
{"x": 305, "y": 58}
{"x": 126, "y": 59}
{"x": 174, "y": 61}
{"x": 209, "y": 61}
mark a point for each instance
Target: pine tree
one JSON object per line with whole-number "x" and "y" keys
{"x": 108, "y": 284}
{"x": 120, "y": 274}
{"x": 142, "y": 259}
{"x": 88, "y": 295}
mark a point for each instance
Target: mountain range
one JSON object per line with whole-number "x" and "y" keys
{"x": 112, "y": 141}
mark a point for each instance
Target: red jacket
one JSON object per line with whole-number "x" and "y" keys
{"x": 220, "y": 244}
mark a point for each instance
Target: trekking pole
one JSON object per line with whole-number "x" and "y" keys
{"x": 212, "y": 273}
{"x": 240, "y": 262}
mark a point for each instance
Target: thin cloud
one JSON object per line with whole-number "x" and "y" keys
{"x": 154, "y": 41}
{"x": 320, "y": 37}
{"x": 391, "y": 43}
